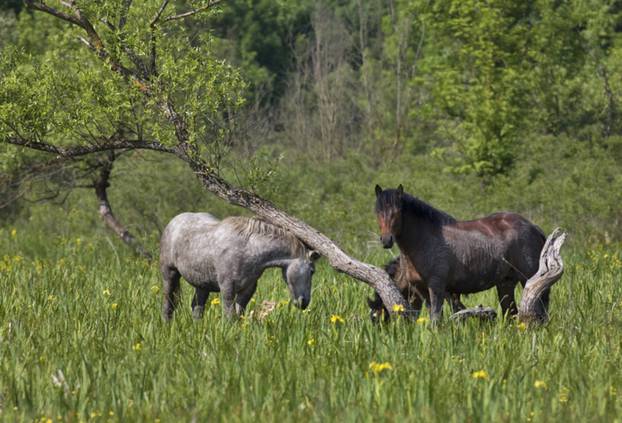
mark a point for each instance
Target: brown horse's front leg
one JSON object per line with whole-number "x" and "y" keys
{"x": 437, "y": 296}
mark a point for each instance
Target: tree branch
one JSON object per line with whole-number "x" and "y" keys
{"x": 50, "y": 10}
{"x": 191, "y": 12}
{"x": 79, "y": 150}
{"x": 101, "y": 184}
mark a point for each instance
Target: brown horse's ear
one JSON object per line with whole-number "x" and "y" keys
{"x": 378, "y": 190}
{"x": 400, "y": 190}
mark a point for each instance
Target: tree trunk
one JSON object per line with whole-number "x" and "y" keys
{"x": 551, "y": 268}
{"x": 101, "y": 185}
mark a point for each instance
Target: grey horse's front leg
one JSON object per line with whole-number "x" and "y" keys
{"x": 198, "y": 302}
{"x": 243, "y": 297}
{"x": 227, "y": 296}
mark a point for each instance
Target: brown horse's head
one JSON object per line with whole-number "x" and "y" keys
{"x": 389, "y": 213}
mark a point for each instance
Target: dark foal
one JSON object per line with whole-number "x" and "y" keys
{"x": 412, "y": 288}
{"x": 460, "y": 257}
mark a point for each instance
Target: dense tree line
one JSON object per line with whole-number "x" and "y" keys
{"x": 482, "y": 88}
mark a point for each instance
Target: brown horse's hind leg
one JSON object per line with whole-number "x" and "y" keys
{"x": 170, "y": 289}
{"x": 505, "y": 291}
{"x": 456, "y": 304}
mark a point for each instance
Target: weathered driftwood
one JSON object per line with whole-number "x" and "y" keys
{"x": 551, "y": 268}
{"x": 480, "y": 312}
{"x": 531, "y": 308}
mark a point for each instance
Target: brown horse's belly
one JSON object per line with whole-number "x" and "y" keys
{"x": 471, "y": 285}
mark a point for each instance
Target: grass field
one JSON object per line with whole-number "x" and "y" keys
{"x": 81, "y": 339}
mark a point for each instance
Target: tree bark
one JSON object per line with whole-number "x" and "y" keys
{"x": 101, "y": 185}
{"x": 551, "y": 268}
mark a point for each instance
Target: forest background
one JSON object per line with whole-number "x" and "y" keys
{"x": 473, "y": 107}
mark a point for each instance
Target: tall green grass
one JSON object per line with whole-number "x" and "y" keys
{"x": 94, "y": 317}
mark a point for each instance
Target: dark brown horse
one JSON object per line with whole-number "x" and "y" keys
{"x": 412, "y": 288}
{"x": 460, "y": 257}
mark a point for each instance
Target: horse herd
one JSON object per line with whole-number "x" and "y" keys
{"x": 440, "y": 257}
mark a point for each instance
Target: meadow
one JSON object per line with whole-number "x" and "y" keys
{"x": 81, "y": 339}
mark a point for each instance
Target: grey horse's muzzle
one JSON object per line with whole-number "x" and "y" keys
{"x": 302, "y": 302}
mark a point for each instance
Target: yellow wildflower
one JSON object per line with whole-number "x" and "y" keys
{"x": 336, "y": 319}
{"x": 612, "y": 391}
{"x": 563, "y": 394}
{"x": 137, "y": 347}
{"x": 155, "y": 289}
{"x": 114, "y": 306}
{"x": 521, "y": 326}
{"x": 311, "y": 342}
{"x": 51, "y": 298}
{"x": 283, "y": 303}
{"x": 78, "y": 242}
{"x": 422, "y": 320}
{"x": 480, "y": 374}
{"x": 378, "y": 368}
{"x": 106, "y": 292}
{"x": 539, "y": 384}
{"x": 13, "y": 233}
{"x": 398, "y": 308}
{"x": 215, "y": 301}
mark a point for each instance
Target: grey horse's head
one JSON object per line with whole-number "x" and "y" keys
{"x": 298, "y": 274}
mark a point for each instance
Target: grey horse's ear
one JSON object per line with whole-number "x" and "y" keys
{"x": 313, "y": 255}
{"x": 378, "y": 190}
{"x": 400, "y": 190}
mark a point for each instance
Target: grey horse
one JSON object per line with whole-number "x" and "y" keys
{"x": 229, "y": 256}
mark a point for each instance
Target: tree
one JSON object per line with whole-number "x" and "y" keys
{"x": 140, "y": 83}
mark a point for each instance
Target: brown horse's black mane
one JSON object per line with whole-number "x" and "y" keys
{"x": 421, "y": 209}
{"x": 391, "y": 198}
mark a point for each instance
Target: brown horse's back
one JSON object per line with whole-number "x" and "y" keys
{"x": 501, "y": 247}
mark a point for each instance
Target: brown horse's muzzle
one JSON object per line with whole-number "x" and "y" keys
{"x": 386, "y": 240}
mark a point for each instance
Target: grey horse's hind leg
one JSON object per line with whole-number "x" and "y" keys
{"x": 198, "y": 302}
{"x": 170, "y": 289}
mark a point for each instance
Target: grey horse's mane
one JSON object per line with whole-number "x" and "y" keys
{"x": 256, "y": 226}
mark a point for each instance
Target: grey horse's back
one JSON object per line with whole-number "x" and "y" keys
{"x": 179, "y": 229}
